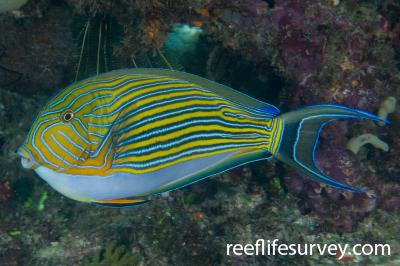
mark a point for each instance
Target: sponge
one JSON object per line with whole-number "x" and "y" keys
{"x": 356, "y": 143}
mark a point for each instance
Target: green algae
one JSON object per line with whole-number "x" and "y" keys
{"x": 113, "y": 255}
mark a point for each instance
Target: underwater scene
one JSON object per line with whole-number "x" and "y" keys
{"x": 199, "y": 132}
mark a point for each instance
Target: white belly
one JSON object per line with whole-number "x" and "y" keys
{"x": 124, "y": 185}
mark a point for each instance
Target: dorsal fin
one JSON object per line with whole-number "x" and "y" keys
{"x": 217, "y": 88}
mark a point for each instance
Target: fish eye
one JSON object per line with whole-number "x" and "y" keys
{"x": 67, "y": 116}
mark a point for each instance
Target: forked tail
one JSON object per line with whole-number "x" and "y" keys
{"x": 300, "y": 137}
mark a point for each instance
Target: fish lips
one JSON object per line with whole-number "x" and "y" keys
{"x": 27, "y": 160}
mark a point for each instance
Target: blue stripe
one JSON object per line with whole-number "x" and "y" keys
{"x": 104, "y": 141}
{"x": 276, "y": 132}
{"x": 98, "y": 82}
{"x": 180, "y": 125}
{"x": 96, "y": 134}
{"x": 66, "y": 162}
{"x": 166, "y": 115}
{"x": 116, "y": 99}
{"x": 48, "y": 147}
{"x": 91, "y": 101}
{"x": 100, "y": 125}
{"x": 82, "y": 125}
{"x": 171, "y": 144}
{"x": 186, "y": 153}
{"x": 264, "y": 117}
{"x": 31, "y": 129}
{"x": 338, "y": 184}
{"x": 63, "y": 148}
{"x": 72, "y": 141}
{"x": 34, "y": 142}
{"x": 82, "y": 137}
{"x": 162, "y": 102}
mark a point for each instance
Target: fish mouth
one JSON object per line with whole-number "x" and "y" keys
{"x": 27, "y": 160}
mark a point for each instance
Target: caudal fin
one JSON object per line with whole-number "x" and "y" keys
{"x": 300, "y": 137}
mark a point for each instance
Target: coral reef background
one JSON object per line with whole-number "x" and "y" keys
{"x": 289, "y": 53}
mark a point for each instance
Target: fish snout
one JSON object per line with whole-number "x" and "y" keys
{"x": 26, "y": 160}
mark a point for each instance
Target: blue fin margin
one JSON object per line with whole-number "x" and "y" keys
{"x": 301, "y": 134}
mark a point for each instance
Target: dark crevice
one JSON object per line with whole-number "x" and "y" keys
{"x": 271, "y": 3}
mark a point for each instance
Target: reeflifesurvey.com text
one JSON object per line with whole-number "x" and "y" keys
{"x": 275, "y": 247}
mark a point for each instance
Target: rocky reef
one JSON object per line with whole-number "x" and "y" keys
{"x": 289, "y": 53}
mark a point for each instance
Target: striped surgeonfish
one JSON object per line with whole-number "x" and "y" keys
{"x": 118, "y": 138}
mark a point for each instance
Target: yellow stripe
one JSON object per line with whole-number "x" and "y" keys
{"x": 58, "y": 151}
{"x": 189, "y": 116}
{"x": 71, "y": 148}
{"x": 138, "y": 93}
{"x": 186, "y": 146}
{"x": 165, "y": 109}
{"x": 142, "y": 82}
{"x": 173, "y": 106}
{"x": 95, "y": 86}
{"x": 38, "y": 143}
{"x": 155, "y": 168}
{"x": 115, "y": 93}
{"x": 39, "y": 120}
{"x": 98, "y": 161}
{"x": 279, "y": 128}
{"x": 180, "y": 133}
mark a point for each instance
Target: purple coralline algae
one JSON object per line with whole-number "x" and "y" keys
{"x": 345, "y": 53}
{"x": 333, "y": 56}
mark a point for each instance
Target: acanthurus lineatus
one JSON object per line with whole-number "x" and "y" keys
{"x": 118, "y": 138}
